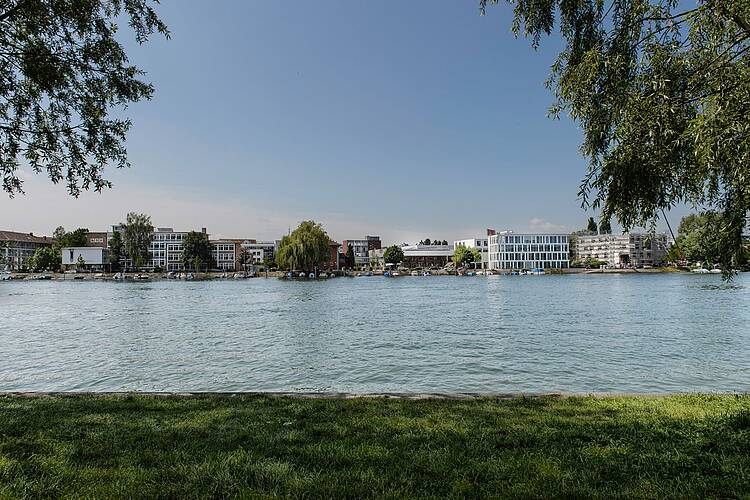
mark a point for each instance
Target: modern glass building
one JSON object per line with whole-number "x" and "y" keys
{"x": 514, "y": 252}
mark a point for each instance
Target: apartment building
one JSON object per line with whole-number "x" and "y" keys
{"x": 226, "y": 254}
{"x": 261, "y": 250}
{"x": 622, "y": 250}
{"x": 481, "y": 244}
{"x": 513, "y": 252}
{"x": 361, "y": 248}
{"x": 17, "y": 248}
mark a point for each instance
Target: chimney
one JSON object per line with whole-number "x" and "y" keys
{"x": 203, "y": 230}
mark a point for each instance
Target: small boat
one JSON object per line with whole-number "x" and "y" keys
{"x": 189, "y": 276}
{"x": 715, "y": 271}
{"x": 368, "y": 273}
{"x": 323, "y": 275}
{"x": 45, "y": 277}
{"x": 414, "y": 273}
{"x": 301, "y": 275}
{"x": 139, "y": 276}
{"x": 426, "y": 273}
{"x": 387, "y": 274}
{"x": 311, "y": 275}
{"x": 5, "y": 276}
{"x": 701, "y": 270}
{"x": 395, "y": 273}
{"x": 78, "y": 277}
{"x": 537, "y": 271}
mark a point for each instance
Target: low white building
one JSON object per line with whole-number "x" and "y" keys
{"x": 622, "y": 250}
{"x": 513, "y": 252}
{"x": 261, "y": 250}
{"x": 427, "y": 256}
{"x": 481, "y": 244}
{"x": 93, "y": 258}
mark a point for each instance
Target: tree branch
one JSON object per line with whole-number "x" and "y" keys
{"x": 5, "y": 15}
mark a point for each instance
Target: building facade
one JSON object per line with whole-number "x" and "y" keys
{"x": 97, "y": 239}
{"x": 508, "y": 251}
{"x": 427, "y": 256}
{"x": 92, "y": 258}
{"x": 17, "y": 248}
{"x": 622, "y": 250}
{"x": 481, "y": 244}
{"x": 261, "y": 250}
{"x": 361, "y": 249}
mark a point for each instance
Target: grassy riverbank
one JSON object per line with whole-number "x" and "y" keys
{"x": 151, "y": 446}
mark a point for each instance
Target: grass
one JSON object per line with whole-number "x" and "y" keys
{"x": 250, "y": 445}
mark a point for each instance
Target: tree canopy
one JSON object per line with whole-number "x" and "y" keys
{"x": 661, "y": 89}
{"x": 196, "y": 249}
{"x": 305, "y": 249}
{"x": 62, "y": 73}
{"x": 393, "y": 255}
{"x": 137, "y": 235}
{"x": 65, "y": 239}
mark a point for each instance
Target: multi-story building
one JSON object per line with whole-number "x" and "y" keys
{"x": 622, "y": 250}
{"x": 481, "y": 244}
{"x": 261, "y": 250}
{"x": 515, "y": 252}
{"x": 361, "y": 249}
{"x": 17, "y": 248}
{"x": 226, "y": 254}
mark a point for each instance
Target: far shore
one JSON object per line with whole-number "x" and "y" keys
{"x": 234, "y": 275}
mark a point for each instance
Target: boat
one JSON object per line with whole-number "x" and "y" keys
{"x": 301, "y": 275}
{"x": 414, "y": 273}
{"x": 701, "y": 270}
{"x": 44, "y": 277}
{"x": 118, "y": 276}
{"x": 311, "y": 275}
{"x": 395, "y": 273}
{"x": 387, "y": 274}
{"x": 189, "y": 276}
{"x": 426, "y": 273}
{"x": 537, "y": 271}
{"x": 323, "y": 275}
{"x": 140, "y": 276}
{"x": 368, "y": 273}
{"x": 5, "y": 276}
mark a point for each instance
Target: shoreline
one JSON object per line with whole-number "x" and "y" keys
{"x": 228, "y": 276}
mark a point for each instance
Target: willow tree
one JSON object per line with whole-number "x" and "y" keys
{"x": 63, "y": 72}
{"x": 661, "y": 89}
{"x": 307, "y": 248}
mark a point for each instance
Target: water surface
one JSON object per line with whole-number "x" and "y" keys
{"x": 641, "y": 333}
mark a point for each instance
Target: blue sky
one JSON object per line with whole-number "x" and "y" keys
{"x": 404, "y": 119}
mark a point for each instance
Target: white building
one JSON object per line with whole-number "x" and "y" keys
{"x": 261, "y": 250}
{"x": 224, "y": 253}
{"x": 622, "y": 250}
{"x": 94, "y": 258}
{"x": 481, "y": 244}
{"x": 427, "y": 256}
{"x": 361, "y": 249}
{"x": 510, "y": 251}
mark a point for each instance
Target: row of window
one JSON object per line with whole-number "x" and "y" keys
{"x": 529, "y": 238}
{"x": 529, "y": 248}
{"x": 545, "y": 256}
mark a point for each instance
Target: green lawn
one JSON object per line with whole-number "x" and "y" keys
{"x": 151, "y": 446}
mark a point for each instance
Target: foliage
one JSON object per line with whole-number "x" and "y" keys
{"x": 269, "y": 262}
{"x": 261, "y": 446}
{"x": 45, "y": 258}
{"x": 65, "y": 239}
{"x": 591, "y": 226}
{"x": 62, "y": 73}
{"x": 196, "y": 249}
{"x": 460, "y": 255}
{"x": 116, "y": 249}
{"x": 305, "y": 249}
{"x": 393, "y": 255}
{"x": 605, "y": 227}
{"x": 476, "y": 255}
{"x": 137, "y": 236}
{"x": 350, "y": 261}
{"x": 698, "y": 241}
{"x": 661, "y": 89}
{"x": 81, "y": 262}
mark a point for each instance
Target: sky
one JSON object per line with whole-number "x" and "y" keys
{"x": 406, "y": 120}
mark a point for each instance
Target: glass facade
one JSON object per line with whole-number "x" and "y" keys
{"x": 514, "y": 252}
